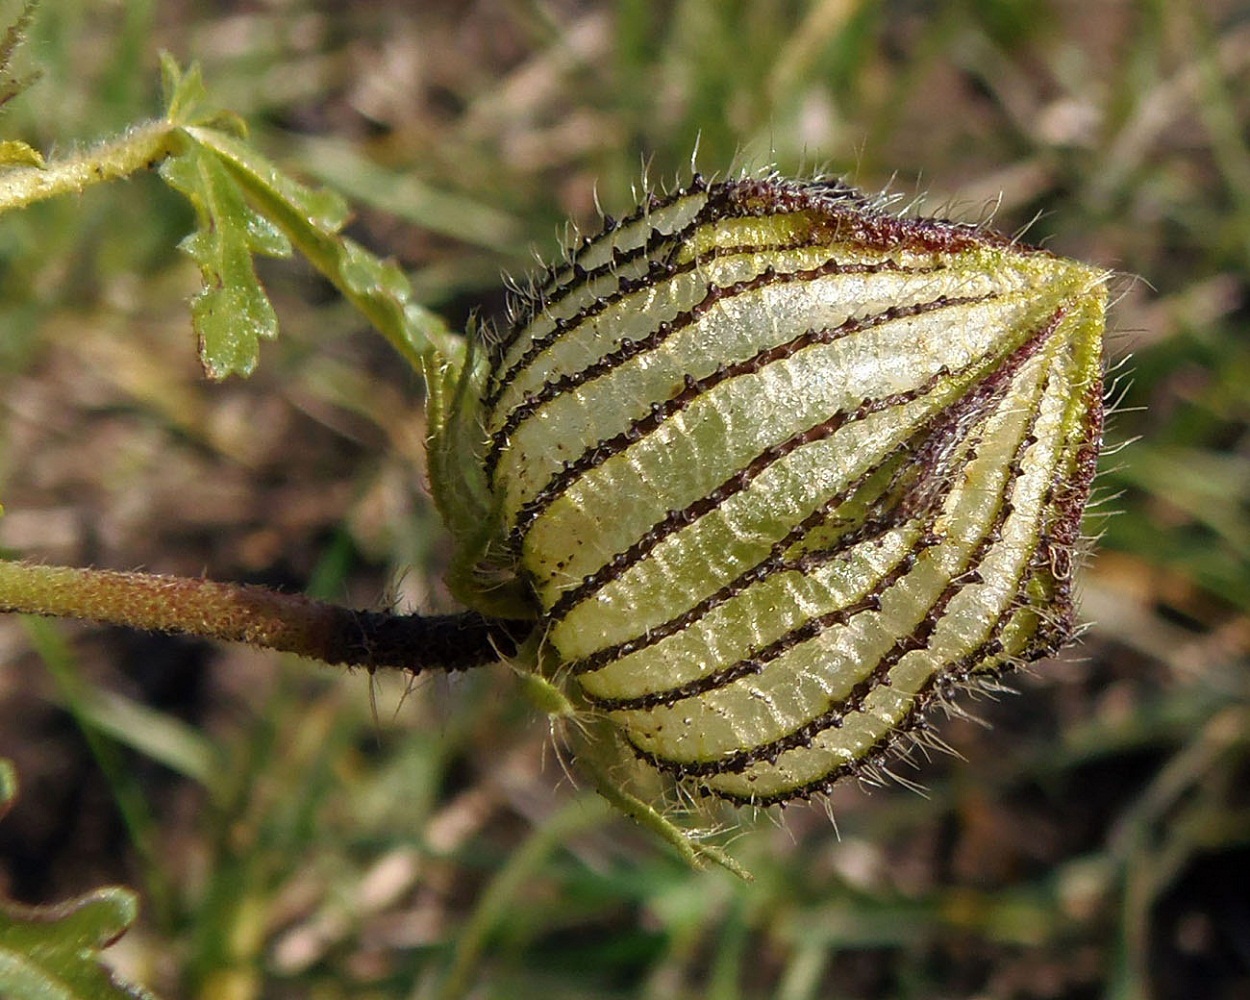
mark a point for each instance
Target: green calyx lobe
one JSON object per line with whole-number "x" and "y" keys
{"x": 775, "y": 471}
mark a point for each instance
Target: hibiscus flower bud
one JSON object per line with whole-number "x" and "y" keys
{"x": 776, "y": 471}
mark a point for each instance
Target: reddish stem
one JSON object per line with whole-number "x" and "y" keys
{"x": 257, "y": 616}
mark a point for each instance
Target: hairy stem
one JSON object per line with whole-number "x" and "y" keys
{"x": 261, "y": 617}
{"x": 139, "y": 149}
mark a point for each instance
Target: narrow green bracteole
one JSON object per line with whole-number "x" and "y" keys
{"x": 776, "y": 471}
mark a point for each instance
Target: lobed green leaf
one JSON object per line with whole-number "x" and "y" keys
{"x": 245, "y": 205}
{"x": 311, "y": 219}
{"x": 53, "y": 952}
{"x": 232, "y": 314}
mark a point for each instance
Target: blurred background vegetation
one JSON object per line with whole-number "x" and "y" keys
{"x": 288, "y": 843}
